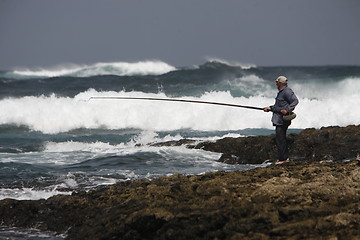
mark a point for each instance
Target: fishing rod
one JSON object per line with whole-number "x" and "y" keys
{"x": 175, "y": 100}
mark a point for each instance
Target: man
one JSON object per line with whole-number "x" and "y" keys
{"x": 285, "y": 103}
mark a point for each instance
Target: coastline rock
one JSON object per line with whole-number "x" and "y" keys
{"x": 326, "y": 144}
{"x": 296, "y": 200}
{"x": 173, "y": 143}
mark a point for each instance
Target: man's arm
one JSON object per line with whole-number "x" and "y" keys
{"x": 292, "y": 100}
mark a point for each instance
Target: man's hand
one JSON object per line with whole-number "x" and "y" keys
{"x": 284, "y": 112}
{"x": 267, "y": 109}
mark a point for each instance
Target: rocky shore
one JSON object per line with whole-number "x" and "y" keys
{"x": 315, "y": 196}
{"x": 325, "y": 144}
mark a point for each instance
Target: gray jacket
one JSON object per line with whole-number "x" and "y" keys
{"x": 285, "y": 99}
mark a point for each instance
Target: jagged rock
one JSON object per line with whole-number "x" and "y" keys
{"x": 173, "y": 143}
{"x": 326, "y": 144}
{"x": 297, "y": 200}
{"x": 243, "y": 150}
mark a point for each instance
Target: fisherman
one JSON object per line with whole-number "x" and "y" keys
{"x": 282, "y": 110}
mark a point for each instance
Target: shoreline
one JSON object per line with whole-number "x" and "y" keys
{"x": 325, "y": 144}
{"x": 332, "y": 143}
{"x": 306, "y": 198}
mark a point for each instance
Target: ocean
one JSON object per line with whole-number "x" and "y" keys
{"x": 54, "y": 139}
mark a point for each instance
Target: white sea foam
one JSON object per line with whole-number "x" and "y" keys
{"x": 321, "y": 106}
{"x": 71, "y": 146}
{"x": 139, "y": 143}
{"x": 112, "y": 68}
{"x": 7, "y": 232}
{"x": 28, "y": 193}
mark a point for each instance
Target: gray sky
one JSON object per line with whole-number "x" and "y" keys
{"x": 43, "y": 33}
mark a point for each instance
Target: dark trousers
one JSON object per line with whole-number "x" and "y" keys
{"x": 281, "y": 142}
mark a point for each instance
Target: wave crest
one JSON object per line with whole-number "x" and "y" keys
{"x": 62, "y": 114}
{"x": 112, "y": 68}
{"x": 230, "y": 63}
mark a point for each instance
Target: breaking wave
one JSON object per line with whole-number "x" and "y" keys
{"x": 98, "y": 69}
{"x": 53, "y": 114}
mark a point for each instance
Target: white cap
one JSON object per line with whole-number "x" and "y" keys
{"x": 281, "y": 79}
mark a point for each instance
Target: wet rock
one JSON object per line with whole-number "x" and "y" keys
{"x": 173, "y": 143}
{"x": 297, "y": 200}
{"x": 243, "y": 150}
{"x": 325, "y": 144}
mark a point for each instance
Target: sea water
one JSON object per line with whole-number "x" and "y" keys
{"x": 54, "y": 139}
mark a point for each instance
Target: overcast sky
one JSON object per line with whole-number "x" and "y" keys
{"x": 44, "y": 33}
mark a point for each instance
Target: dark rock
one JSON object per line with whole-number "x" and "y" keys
{"x": 173, "y": 143}
{"x": 243, "y": 150}
{"x": 326, "y": 144}
{"x": 299, "y": 200}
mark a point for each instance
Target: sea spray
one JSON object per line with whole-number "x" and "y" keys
{"x": 58, "y": 114}
{"x": 54, "y": 114}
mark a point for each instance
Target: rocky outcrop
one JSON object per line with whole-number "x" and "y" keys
{"x": 326, "y": 144}
{"x": 297, "y": 200}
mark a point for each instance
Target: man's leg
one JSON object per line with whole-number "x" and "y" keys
{"x": 283, "y": 151}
